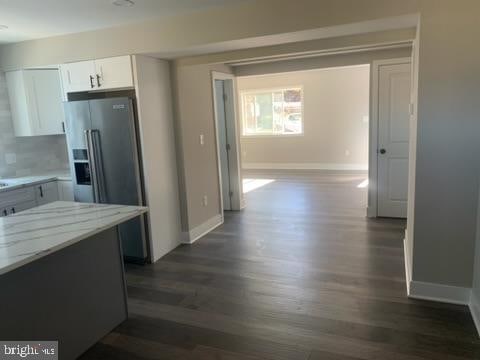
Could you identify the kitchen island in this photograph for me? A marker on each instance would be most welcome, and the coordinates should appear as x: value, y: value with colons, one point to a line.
x: 61, y: 274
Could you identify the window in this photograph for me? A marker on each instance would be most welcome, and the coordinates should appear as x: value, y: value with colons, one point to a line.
x: 272, y: 112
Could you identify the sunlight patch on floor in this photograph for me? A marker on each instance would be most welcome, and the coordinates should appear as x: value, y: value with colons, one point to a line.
x: 253, y: 184
x: 363, y: 184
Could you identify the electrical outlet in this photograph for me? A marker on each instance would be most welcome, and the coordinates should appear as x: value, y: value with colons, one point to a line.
x: 205, y: 200
x: 202, y: 140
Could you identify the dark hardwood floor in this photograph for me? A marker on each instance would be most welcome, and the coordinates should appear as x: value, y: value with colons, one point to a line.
x: 299, y: 274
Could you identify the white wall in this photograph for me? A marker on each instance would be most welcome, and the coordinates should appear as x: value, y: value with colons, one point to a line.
x: 475, y: 296
x: 194, y: 114
x: 155, y: 112
x: 336, y: 105
x: 216, y: 29
x: 448, y: 143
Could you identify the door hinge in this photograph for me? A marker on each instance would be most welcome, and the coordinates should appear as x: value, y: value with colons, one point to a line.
x: 228, y: 147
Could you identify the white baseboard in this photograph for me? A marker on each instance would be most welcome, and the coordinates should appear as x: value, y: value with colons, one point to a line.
x: 408, y: 275
x: 432, y: 291
x: 371, y: 212
x: 474, y: 306
x: 438, y: 292
x: 305, y: 166
x: 201, y: 230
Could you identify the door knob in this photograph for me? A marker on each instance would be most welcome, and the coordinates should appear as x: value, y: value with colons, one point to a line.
x: 383, y: 151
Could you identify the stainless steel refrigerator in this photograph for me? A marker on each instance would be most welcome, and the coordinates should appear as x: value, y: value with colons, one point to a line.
x: 105, y: 161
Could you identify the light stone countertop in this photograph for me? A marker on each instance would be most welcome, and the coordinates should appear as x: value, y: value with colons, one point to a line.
x: 34, y: 179
x: 37, y: 232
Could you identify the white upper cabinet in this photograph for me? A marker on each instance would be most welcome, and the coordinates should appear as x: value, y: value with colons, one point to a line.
x: 99, y: 74
x: 78, y: 76
x: 36, y: 102
x: 114, y: 73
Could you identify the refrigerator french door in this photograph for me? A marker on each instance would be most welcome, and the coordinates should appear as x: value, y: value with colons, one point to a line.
x: 104, y: 159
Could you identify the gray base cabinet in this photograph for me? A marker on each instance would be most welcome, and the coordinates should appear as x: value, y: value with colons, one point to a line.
x: 74, y: 296
x: 14, y: 201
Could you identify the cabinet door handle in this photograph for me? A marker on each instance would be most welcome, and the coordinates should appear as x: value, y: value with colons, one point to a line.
x: 41, y: 191
x: 92, y: 85
x: 63, y: 126
x: 98, y: 80
x: 13, y: 210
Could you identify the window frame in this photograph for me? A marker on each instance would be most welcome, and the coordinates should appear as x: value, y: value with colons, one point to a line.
x: 272, y: 90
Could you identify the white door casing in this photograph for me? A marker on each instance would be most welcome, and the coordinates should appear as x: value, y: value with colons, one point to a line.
x: 394, y: 87
x: 232, y: 135
x: 223, y: 143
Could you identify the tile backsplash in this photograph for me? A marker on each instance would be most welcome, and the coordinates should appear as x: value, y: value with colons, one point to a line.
x: 21, y: 156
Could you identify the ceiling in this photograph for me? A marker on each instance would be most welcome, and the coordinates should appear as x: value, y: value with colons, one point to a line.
x: 34, y: 19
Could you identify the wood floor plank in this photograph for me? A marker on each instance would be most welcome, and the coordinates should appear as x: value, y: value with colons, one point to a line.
x: 301, y: 273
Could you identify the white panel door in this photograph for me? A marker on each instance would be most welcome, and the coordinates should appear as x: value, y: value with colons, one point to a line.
x: 78, y: 76
x: 114, y: 73
x: 393, y: 136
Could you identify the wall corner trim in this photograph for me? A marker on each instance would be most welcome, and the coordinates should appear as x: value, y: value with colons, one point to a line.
x: 203, y: 229
x: 435, y: 292
x: 408, y: 275
x: 438, y: 292
x: 474, y: 306
x: 371, y: 212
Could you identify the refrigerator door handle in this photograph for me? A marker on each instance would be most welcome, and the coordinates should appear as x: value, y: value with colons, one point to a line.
x: 91, y: 162
x: 99, y: 179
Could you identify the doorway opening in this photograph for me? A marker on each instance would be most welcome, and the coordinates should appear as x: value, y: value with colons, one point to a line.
x: 224, y: 101
x: 305, y: 126
x: 351, y: 120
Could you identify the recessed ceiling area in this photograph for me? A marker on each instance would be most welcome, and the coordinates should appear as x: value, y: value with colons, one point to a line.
x: 35, y: 19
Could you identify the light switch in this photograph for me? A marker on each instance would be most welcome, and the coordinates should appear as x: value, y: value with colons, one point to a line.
x: 10, y: 158
x: 202, y: 142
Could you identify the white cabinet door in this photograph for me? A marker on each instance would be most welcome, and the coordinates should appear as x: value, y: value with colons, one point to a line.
x: 14, y: 201
x: 78, y: 76
x: 36, y: 102
x: 114, y: 73
x: 16, y: 208
x: 46, y: 193
x: 19, y: 103
x: 44, y: 96
x: 65, y: 190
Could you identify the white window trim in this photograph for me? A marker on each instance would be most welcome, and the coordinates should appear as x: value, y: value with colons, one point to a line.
x: 260, y: 90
